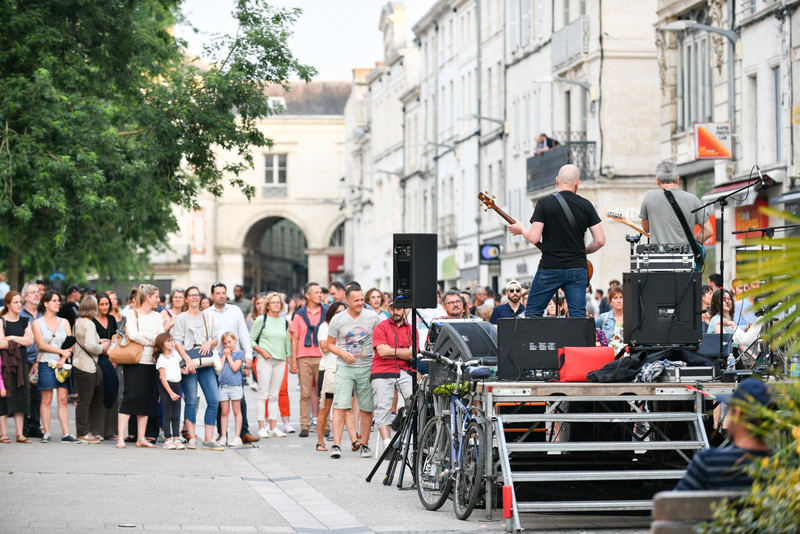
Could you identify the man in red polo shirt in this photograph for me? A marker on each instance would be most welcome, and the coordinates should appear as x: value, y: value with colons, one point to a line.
x: 391, y: 341
x: 305, y: 349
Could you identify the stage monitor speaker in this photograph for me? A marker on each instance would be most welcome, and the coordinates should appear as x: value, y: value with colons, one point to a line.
x: 467, y: 340
x: 661, y: 308
x: 415, y: 270
x: 529, y: 347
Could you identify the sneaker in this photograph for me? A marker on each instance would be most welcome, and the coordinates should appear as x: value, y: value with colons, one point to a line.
x: 212, y: 446
x: 263, y: 432
x: 366, y: 452
x: 336, y: 451
x: 222, y: 440
x: 303, y: 432
x: 253, y: 385
x: 289, y: 429
x: 191, y: 444
x: 169, y: 445
x: 179, y: 446
x: 277, y: 433
x: 69, y: 438
x: 46, y: 437
x: 88, y: 438
x: 236, y: 442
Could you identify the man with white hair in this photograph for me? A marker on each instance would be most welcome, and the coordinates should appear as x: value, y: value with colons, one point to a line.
x: 558, y: 226
x: 659, y: 218
x: 30, y: 309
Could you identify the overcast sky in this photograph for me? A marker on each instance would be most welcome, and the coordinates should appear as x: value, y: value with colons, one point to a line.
x: 335, y: 36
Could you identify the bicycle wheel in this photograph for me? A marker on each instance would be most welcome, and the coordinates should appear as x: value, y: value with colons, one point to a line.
x: 433, y: 466
x: 469, y: 477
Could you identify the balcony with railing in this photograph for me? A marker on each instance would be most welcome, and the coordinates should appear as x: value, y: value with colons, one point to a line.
x: 570, y: 42
x: 543, y: 168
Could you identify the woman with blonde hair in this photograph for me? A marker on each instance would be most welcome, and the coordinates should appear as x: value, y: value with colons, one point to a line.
x: 86, y: 373
x: 272, y: 342
x: 142, y: 324
x: 114, y: 309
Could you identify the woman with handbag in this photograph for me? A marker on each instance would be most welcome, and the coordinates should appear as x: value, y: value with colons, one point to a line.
x: 105, y: 323
x: 142, y: 324
x: 50, y: 331
x: 194, y: 336
x: 15, y: 332
x: 86, y: 373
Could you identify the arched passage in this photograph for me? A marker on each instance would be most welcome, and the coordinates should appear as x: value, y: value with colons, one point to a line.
x: 275, y: 256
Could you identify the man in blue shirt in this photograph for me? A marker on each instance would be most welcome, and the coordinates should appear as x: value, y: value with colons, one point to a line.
x: 726, y: 467
x: 513, y: 308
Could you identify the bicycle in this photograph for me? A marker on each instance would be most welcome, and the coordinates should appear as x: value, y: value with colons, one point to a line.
x: 452, y: 449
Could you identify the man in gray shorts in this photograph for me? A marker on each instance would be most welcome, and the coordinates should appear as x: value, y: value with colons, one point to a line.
x: 350, y: 338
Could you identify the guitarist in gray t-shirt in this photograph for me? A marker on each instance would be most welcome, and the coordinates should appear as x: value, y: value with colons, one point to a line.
x: 659, y: 217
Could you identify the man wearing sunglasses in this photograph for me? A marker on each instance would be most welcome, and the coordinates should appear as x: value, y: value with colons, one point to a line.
x: 513, y: 308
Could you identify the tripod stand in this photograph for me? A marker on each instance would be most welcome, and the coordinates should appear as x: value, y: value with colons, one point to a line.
x: 402, y: 447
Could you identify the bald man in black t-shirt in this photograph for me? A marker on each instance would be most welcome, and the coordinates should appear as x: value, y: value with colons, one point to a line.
x: 563, y: 263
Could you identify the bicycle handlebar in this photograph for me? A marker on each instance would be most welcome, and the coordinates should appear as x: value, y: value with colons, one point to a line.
x: 435, y: 356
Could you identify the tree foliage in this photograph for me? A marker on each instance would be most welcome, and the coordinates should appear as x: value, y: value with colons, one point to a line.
x: 106, y: 124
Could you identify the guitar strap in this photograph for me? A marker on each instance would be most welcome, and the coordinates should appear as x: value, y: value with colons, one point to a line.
x: 698, y: 256
x: 571, y: 218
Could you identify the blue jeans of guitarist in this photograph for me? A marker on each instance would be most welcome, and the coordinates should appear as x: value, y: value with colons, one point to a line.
x: 547, y: 281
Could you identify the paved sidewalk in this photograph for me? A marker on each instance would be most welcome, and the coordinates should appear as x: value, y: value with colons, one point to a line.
x: 278, y: 485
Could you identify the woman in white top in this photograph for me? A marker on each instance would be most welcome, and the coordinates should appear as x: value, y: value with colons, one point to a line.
x: 85, y: 369
x: 142, y: 324
x: 50, y: 331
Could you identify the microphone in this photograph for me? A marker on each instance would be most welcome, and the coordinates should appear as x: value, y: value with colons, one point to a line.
x: 761, y: 177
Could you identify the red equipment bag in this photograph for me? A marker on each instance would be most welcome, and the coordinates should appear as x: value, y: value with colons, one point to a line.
x: 575, y: 362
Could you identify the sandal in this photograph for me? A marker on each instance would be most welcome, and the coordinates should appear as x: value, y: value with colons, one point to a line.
x: 356, y: 445
x: 145, y: 445
x: 4, y: 439
x: 121, y: 444
x: 321, y: 447
x: 22, y: 439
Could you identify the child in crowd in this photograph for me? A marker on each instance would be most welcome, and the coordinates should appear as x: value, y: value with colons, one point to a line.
x: 169, y: 388
x: 230, y: 388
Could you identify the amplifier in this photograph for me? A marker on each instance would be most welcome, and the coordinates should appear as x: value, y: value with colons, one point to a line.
x: 664, y: 248
x: 662, y: 262
x: 687, y: 374
x: 528, y: 347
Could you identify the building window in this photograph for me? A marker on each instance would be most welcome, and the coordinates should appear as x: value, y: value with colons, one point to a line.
x: 695, y: 86
x: 275, y: 169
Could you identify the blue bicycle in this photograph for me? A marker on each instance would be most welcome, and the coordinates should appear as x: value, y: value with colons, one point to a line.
x: 452, y: 448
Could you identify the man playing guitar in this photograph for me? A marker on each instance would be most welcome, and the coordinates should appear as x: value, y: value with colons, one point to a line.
x: 557, y: 228
x: 660, y: 219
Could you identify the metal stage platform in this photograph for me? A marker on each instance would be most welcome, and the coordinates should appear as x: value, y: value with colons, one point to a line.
x: 592, y: 447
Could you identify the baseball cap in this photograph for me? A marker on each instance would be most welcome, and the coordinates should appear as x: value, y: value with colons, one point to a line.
x: 71, y: 288
x: 749, y: 390
x: 512, y: 283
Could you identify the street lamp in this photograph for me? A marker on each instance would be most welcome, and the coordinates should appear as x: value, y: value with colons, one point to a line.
x: 589, y: 88
x: 501, y: 122
x: 452, y: 148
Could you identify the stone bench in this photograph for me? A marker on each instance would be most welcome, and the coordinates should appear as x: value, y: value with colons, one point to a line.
x: 677, y: 512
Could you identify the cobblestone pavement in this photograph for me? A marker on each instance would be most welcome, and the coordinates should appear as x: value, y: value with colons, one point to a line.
x: 279, y: 485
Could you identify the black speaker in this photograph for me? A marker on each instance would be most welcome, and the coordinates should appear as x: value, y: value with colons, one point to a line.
x: 467, y: 340
x: 414, y: 258
x: 529, y: 347
x: 661, y: 308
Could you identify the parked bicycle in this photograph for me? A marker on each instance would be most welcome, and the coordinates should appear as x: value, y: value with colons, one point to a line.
x: 452, y: 447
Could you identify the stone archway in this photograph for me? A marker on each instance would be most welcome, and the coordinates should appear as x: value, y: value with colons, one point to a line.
x: 275, y: 256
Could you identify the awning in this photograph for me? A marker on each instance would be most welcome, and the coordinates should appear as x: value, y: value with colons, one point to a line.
x: 786, y: 198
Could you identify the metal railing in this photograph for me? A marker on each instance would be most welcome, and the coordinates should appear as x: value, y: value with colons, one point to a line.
x: 543, y: 168
x: 570, y: 41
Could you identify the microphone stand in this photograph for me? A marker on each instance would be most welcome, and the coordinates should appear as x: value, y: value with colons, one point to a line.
x: 722, y: 200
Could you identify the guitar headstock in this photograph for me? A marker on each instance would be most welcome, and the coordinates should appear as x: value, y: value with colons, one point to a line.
x: 616, y: 215
x: 487, y: 202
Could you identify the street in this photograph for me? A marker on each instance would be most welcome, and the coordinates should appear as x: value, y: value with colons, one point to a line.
x: 278, y: 485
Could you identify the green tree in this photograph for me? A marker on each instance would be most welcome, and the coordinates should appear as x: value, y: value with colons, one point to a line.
x: 106, y: 125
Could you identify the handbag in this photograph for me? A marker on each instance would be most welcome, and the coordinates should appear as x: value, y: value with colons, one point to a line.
x: 575, y: 362
x: 123, y: 350
x: 204, y: 360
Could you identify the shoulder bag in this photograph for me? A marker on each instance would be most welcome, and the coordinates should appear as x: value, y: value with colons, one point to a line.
x: 33, y: 374
x: 697, y: 249
x: 578, y: 236
x: 123, y: 350
x: 206, y: 360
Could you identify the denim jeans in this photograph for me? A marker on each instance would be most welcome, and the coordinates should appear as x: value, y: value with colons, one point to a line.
x: 547, y: 281
x: 208, y: 383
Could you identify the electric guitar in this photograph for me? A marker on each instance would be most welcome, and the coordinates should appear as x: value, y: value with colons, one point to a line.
x: 617, y: 216
x: 488, y: 203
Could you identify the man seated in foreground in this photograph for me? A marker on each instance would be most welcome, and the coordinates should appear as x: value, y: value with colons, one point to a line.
x: 725, y: 468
